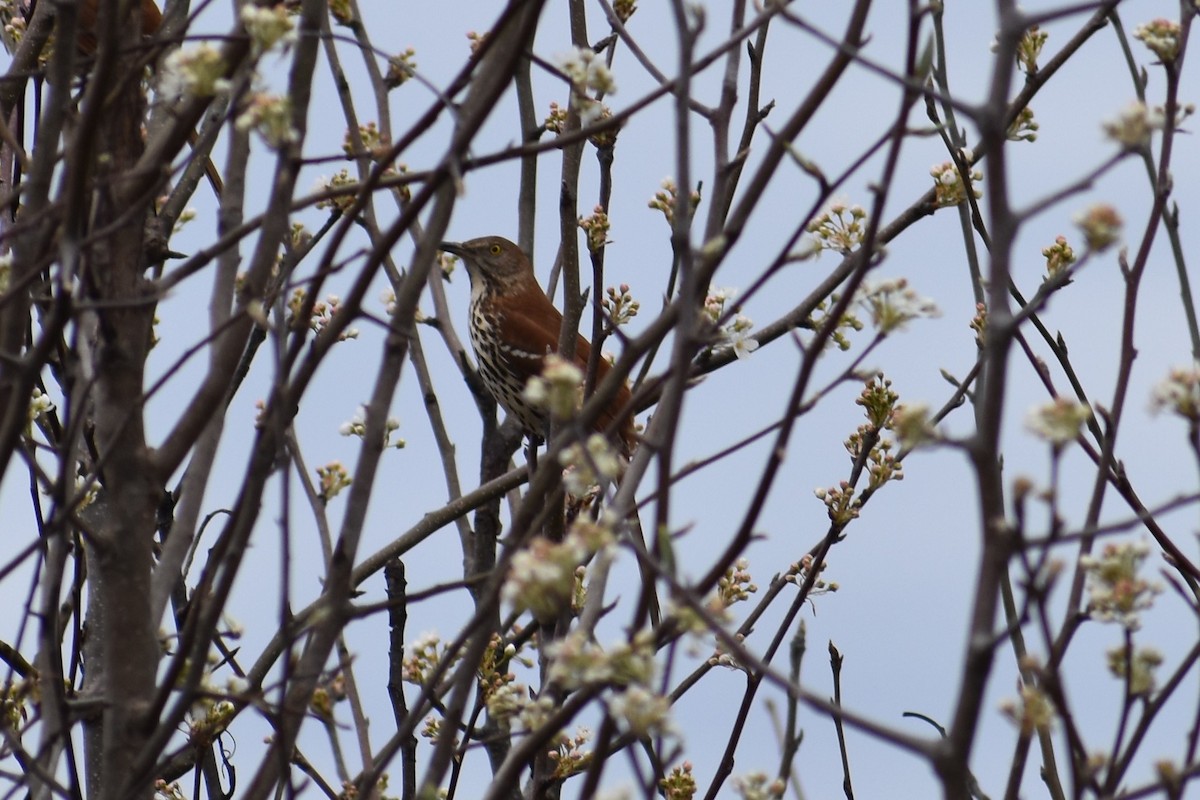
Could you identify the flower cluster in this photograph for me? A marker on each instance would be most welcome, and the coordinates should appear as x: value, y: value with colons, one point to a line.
x: 1132, y: 127
x: 840, y: 228
x: 641, y: 711
x: 879, y: 402
x: 208, y: 718
x: 799, y: 571
x: 696, y: 622
x: 568, y: 756
x: 14, y: 27
x: 721, y: 657
x: 664, y: 200
x: 506, y: 700
x: 388, y: 298
x: 320, y: 317
x: 1033, y: 712
x: 1116, y: 593
x: 1059, y: 421
x: 86, y: 491
x: 13, y: 698
x: 340, y: 202
x: 912, y: 425
x: 535, y: 713
x: 758, y: 786
x: 260, y: 413
x: 423, y: 658
x: 596, y: 226
x: 187, y: 215
x: 848, y: 322
x: 1101, y: 226
x: 579, y: 592
x: 295, y: 308
x: 714, y: 303
x: 878, y: 399
x: 882, y: 466
x: 736, y: 333
x: 577, y: 661
x: 586, y: 464
x: 1024, y: 127
x: 500, y: 690
x: 327, y: 694
x: 619, y: 306
x: 400, y: 68
x: 331, y: 479
x: 541, y: 577
x: 839, y: 502
x: 1167, y: 771
x: 1140, y: 665
x: 39, y: 406
x: 586, y: 71
x: 1030, y: 48
x: 432, y: 730
x: 948, y: 186
x: 270, y: 116
x: 892, y: 304
x: 979, y: 324
x: 604, y: 138
x: 736, y: 585
x: 477, y: 40
x: 1182, y: 112
x: 341, y: 11
x: 192, y: 72
x: 301, y: 236
x: 323, y: 314
x: 168, y: 791
x: 268, y: 26
x: 1059, y: 256
x: 1161, y: 36
x: 1179, y: 392
x: 625, y: 9
x: 558, y: 389
x: 737, y: 336
x: 375, y: 145
x: 357, y: 426
x: 679, y: 783
x: 556, y: 120
x: 495, y: 660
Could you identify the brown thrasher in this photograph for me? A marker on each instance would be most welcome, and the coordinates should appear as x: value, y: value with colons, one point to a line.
x: 514, y: 326
x: 152, y: 20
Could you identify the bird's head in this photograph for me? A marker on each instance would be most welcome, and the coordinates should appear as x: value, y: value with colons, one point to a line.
x: 493, y: 260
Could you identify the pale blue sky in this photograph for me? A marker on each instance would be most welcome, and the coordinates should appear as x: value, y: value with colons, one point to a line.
x: 907, y: 567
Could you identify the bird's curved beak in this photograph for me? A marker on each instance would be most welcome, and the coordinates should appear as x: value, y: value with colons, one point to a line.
x: 455, y: 248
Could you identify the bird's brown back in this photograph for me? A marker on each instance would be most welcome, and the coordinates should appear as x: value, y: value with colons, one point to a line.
x: 151, y: 22
x: 514, y: 326
x: 531, y: 332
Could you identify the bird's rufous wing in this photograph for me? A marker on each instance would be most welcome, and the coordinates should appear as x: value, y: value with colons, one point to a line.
x: 532, y: 336
x: 151, y: 22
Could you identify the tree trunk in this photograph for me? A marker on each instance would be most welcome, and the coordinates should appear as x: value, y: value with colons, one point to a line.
x: 122, y: 649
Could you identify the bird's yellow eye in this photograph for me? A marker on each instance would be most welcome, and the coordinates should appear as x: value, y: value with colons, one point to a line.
x: 495, y: 249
